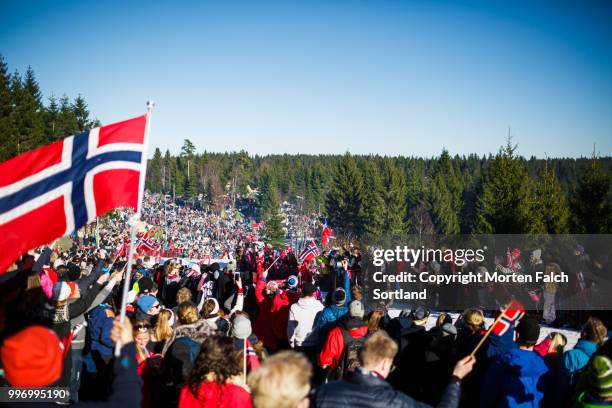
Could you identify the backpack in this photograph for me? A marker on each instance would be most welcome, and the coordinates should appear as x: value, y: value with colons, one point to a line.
x: 349, y: 361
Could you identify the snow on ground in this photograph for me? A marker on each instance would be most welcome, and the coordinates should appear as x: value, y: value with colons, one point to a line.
x: 571, y: 335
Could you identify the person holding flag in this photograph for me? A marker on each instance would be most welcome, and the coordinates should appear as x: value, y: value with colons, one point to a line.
x: 517, y: 378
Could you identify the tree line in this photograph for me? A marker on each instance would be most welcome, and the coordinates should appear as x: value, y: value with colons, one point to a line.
x: 27, y: 122
x: 371, y: 194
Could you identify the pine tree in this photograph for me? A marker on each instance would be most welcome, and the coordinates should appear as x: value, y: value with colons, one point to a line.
x: 550, y: 206
x: 32, y: 88
x: 372, y: 209
x: 8, y: 129
x: 444, y: 194
x: 51, y: 120
x: 505, y: 206
x: 273, y: 231
x: 345, y: 197
x: 154, y: 172
x: 188, y: 167
x: 269, y: 199
x: 592, y: 201
x: 440, y: 202
x: 26, y: 113
x: 394, y: 199
x: 67, y: 121
x: 79, y: 107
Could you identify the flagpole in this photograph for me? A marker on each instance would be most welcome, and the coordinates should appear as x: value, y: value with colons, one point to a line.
x: 134, y: 222
x: 272, y: 264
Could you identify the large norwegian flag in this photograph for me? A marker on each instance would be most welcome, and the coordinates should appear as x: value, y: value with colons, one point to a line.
x: 52, y: 191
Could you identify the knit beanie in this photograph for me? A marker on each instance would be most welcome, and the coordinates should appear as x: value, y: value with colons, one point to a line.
x: 241, y: 329
x: 145, y: 303
x: 63, y: 290
x: 600, y: 376
x: 356, y: 309
x: 339, y: 297
x: 528, y: 330
x: 32, y: 357
x: 420, y: 313
x: 292, y: 282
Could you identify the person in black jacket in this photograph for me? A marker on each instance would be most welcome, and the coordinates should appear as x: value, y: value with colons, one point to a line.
x: 368, y: 387
x: 411, y: 360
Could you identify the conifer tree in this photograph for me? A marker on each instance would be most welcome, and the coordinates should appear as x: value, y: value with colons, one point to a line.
x: 26, y: 113
x: 8, y: 130
x: 505, y: 206
x: 440, y: 202
x: 51, y: 120
x: 30, y: 85
x: 444, y: 194
x: 592, y: 201
x: 550, y: 206
x: 372, y: 209
x: 154, y: 172
x: 269, y: 200
x: 67, y: 120
x: 394, y: 199
x: 81, y: 113
x: 345, y: 197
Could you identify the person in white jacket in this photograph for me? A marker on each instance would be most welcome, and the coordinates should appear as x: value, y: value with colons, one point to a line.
x: 302, y: 329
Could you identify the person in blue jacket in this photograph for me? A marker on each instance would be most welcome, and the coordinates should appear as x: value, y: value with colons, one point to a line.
x: 518, y: 377
x: 101, y: 347
x: 593, y: 335
x: 340, y: 298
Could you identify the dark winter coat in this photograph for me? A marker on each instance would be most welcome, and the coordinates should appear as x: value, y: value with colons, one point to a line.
x: 364, y: 389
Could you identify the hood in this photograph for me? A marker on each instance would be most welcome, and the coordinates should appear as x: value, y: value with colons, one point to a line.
x: 309, y: 303
x: 355, y: 326
x: 588, y: 347
x: 196, y: 331
x: 523, y: 363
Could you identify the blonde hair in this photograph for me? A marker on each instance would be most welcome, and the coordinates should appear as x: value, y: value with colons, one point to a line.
x: 378, y: 347
x: 473, y: 319
x: 183, y: 295
x: 162, y: 330
x: 558, y: 343
x: 282, y: 381
x: 187, y: 313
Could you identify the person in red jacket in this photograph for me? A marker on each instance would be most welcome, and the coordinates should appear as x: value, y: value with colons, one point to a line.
x: 273, y: 305
x: 332, y: 350
x: 210, y: 381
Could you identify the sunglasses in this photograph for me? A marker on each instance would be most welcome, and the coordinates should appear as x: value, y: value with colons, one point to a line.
x: 142, y: 327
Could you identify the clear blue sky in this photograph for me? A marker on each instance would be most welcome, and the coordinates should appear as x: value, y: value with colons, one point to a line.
x: 389, y: 77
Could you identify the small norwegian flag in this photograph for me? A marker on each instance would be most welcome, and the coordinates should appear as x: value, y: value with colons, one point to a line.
x: 326, y: 234
x: 122, y: 250
x: 56, y: 189
x: 146, y: 243
x: 509, y: 317
x: 309, y: 252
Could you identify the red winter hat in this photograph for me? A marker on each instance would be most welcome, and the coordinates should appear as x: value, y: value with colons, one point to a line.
x: 32, y: 357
